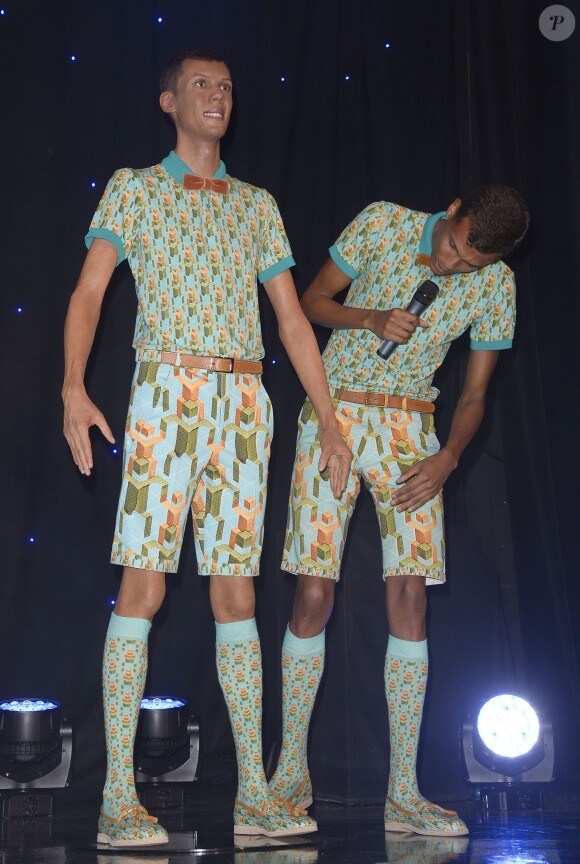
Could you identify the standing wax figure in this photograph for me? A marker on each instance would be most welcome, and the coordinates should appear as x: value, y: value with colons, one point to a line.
x: 199, y: 426
x: 385, y: 411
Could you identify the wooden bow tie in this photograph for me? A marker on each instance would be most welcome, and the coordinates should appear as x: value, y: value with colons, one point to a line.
x: 192, y: 181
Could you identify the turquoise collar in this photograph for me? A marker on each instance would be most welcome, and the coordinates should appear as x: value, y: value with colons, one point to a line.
x: 178, y: 169
x: 425, y: 243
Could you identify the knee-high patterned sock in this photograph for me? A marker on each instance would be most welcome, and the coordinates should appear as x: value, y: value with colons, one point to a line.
x: 302, y: 668
x: 239, y: 666
x: 124, y: 673
x: 406, y: 667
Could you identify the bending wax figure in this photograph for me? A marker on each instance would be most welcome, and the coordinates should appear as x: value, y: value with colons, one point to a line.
x: 385, y: 411
x: 199, y: 423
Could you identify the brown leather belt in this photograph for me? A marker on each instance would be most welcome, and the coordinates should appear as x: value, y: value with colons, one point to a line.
x: 212, y: 364
x: 384, y: 400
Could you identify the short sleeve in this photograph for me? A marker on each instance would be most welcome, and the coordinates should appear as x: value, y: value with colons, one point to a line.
x: 494, y: 328
x: 356, y: 243
x: 116, y: 214
x: 275, y: 253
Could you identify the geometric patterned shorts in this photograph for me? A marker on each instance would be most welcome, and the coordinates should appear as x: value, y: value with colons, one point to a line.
x: 385, y: 442
x: 200, y: 440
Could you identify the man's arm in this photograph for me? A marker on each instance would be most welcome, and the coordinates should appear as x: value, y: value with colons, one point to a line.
x: 300, y: 343
x: 426, y: 478
x: 79, y: 332
x: 320, y: 307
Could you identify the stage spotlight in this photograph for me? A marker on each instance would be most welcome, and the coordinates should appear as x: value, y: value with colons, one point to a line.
x: 36, y: 747
x: 166, y: 750
x: 509, y: 743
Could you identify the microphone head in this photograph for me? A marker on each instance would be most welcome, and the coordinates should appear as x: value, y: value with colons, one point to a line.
x: 427, y: 292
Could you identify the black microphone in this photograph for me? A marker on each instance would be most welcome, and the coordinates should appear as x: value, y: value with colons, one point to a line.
x: 421, y: 299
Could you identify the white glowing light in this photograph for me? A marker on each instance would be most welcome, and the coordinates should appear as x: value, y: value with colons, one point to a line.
x: 161, y: 704
x: 26, y: 705
x: 508, y: 725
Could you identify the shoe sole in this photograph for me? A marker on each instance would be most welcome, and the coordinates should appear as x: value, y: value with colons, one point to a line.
x: 406, y: 826
x: 282, y: 832
x: 106, y: 840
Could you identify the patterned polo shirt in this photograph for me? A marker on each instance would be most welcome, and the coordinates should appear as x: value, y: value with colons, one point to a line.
x: 195, y: 256
x: 385, y: 251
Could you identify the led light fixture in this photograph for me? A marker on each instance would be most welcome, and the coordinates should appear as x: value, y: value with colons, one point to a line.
x: 507, y: 741
x: 36, y: 748
x: 166, y: 750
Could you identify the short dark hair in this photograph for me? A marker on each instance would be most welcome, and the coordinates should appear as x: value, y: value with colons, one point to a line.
x: 499, y: 219
x: 172, y: 72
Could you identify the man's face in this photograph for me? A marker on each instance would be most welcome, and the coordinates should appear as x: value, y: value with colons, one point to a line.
x: 202, y: 103
x: 450, y: 251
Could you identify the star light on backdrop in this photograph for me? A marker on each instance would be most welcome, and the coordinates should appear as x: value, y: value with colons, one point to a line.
x: 509, y: 746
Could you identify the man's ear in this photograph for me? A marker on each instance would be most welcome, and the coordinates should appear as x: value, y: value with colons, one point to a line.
x: 166, y: 100
x: 453, y: 208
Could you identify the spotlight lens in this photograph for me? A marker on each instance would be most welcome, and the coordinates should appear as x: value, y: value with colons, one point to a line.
x: 159, y: 703
x: 23, y: 705
x: 508, y: 726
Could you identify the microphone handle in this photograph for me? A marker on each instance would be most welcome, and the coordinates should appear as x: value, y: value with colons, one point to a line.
x: 385, y: 350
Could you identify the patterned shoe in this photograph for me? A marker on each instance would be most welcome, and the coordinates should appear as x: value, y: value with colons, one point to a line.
x: 132, y: 827
x: 300, y: 796
x: 425, y: 818
x: 276, y: 818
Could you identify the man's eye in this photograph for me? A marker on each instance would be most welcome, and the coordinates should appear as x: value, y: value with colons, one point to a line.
x: 200, y: 83
x: 226, y: 87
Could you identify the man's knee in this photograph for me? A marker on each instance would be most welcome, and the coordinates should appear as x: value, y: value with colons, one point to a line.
x: 232, y: 598
x: 314, y: 594
x: 407, y: 596
x: 313, y: 604
x: 141, y: 594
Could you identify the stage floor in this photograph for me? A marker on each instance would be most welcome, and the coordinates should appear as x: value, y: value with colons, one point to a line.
x: 347, y: 835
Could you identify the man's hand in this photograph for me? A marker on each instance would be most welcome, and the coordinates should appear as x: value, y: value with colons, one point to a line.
x: 79, y: 415
x: 423, y: 481
x: 397, y: 325
x: 335, y: 459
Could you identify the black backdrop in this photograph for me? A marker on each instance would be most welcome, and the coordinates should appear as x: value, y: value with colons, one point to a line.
x: 466, y: 93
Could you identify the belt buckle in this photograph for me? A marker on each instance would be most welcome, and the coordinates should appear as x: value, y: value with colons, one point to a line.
x: 374, y: 399
x: 213, y: 364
